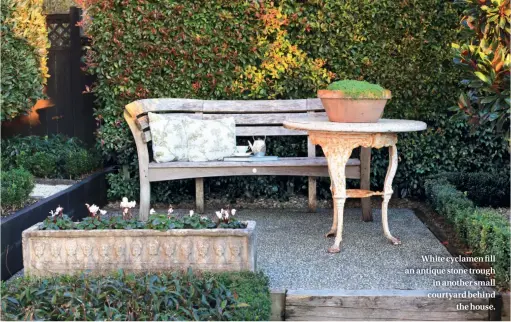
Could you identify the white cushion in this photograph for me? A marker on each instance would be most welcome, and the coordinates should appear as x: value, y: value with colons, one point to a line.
x: 210, y: 140
x: 168, y: 137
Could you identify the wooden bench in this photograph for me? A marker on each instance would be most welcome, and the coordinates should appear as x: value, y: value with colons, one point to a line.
x: 253, y: 118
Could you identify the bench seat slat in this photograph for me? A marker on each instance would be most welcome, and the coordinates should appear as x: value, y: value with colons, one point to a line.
x: 258, y: 118
x: 315, y: 167
x: 253, y: 106
x: 223, y: 106
x: 164, y: 105
x: 240, y: 119
x: 314, y: 104
x: 281, y: 162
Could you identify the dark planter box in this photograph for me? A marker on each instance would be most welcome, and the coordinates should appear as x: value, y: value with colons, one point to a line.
x: 92, y: 190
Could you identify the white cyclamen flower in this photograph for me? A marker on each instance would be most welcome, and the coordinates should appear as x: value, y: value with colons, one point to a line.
x: 93, y: 209
x: 127, y: 204
x: 219, y: 214
x: 124, y: 203
x: 59, y: 209
x: 152, y: 212
x: 102, y: 212
x: 171, y: 210
x: 203, y: 217
x: 233, y: 212
x: 191, y: 213
x: 52, y: 213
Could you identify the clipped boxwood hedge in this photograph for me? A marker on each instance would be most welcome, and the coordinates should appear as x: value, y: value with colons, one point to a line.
x: 483, y: 188
x: 484, y: 230
x: 17, y: 184
x: 180, y: 296
x: 55, y: 156
x: 282, y: 50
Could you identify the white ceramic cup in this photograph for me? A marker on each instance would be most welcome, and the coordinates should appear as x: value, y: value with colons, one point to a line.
x: 241, y: 149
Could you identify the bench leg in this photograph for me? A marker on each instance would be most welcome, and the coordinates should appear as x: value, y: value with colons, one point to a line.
x: 145, y: 198
x: 365, y: 182
x: 199, y: 195
x: 312, y: 194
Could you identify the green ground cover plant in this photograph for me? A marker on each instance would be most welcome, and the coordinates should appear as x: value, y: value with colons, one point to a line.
x: 17, y: 184
x: 283, y: 50
x: 484, y: 230
x: 56, y: 156
x: 353, y: 88
x: 173, y: 296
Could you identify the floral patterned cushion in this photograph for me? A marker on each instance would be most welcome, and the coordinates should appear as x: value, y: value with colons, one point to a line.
x: 168, y: 137
x: 210, y: 140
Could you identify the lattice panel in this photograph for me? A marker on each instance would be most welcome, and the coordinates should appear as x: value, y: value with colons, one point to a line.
x: 59, y: 34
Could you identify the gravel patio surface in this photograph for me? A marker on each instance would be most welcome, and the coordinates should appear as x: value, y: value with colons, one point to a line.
x: 291, y: 250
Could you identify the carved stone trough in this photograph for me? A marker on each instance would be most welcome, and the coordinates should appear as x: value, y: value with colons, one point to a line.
x: 46, y: 252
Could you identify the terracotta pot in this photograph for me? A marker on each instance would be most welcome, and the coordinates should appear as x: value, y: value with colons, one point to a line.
x: 342, y: 109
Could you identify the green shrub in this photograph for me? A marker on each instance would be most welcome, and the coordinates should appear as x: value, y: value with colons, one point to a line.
x: 56, y: 156
x: 40, y: 164
x: 21, y: 81
x: 24, y: 54
x: 78, y: 162
x: 484, y: 230
x: 483, y: 188
x: 251, y: 288
x: 483, y: 55
x: 286, y: 49
x: 17, y: 184
x: 129, y: 297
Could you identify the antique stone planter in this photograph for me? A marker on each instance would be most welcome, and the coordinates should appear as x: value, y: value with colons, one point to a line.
x: 46, y: 252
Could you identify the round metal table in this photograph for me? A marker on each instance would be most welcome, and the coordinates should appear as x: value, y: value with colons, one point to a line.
x: 338, y: 141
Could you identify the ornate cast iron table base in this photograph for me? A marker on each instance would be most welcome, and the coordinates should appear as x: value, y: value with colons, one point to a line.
x: 337, y: 147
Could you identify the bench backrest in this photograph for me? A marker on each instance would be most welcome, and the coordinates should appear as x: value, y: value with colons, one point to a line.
x: 253, y: 117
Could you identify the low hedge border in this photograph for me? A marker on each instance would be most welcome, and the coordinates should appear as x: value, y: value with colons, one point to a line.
x: 483, y: 188
x: 17, y: 184
x: 484, y: 230
x: 153, y: 297
x: 54, y: 156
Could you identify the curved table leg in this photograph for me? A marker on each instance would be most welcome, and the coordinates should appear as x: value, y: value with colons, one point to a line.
x: 337, y: 159
x: 333, y: 229
x: 387, y: 193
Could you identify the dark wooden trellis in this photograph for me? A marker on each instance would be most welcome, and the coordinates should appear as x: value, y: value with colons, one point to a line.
x: 70, y: 111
